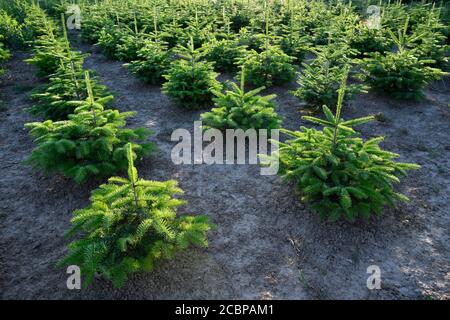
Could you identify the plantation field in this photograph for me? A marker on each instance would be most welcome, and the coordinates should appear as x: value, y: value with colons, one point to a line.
x: 268, y: 244
x: 250, y: 236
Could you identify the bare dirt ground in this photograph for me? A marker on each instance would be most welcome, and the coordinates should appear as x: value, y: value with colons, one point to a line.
x: 267, y: 244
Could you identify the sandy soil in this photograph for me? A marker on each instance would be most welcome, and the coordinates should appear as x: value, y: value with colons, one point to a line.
x: 267, y: 244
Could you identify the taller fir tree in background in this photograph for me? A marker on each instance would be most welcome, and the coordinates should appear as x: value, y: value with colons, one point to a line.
x: 270, y: 66
x: 91, y: 143
x: 403, y: 73
x: 190, y: 81
x: 54, y: 99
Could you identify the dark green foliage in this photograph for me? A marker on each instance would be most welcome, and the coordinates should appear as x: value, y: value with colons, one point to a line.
x: 47, y: 55
x: 444, y: 15
x: 4, y: 52
x: 198, y: 31
x: 401, y: 74
x: 237, y: 109
x: 366, y: 40
x: 293, y: 39
x: 15, y: 8
x: 336, y: 53
x: 130, y: 225
x: 93, y: 24
x: 296, y: 46
x: 191, y: 82
x: 224, y: 53
x: 10, y: 30
x: 129, y: 46
x: 252, y: 40
x: 172, y: 32
x: 36, y: 24
x: 130, y: 43
x: 429, y: 42
x: 54, y: 101
x: 432, y: 47
x: 273, y: 32
x: 152, y: 63
x: 90, y: 144
x: 4, y: 55
x: 51, y: 52
x: 394, y: 15
x: 109, y: 40
x: 49, y: 49
x: 292, y: 23
x: 325, y: 22
x: 269, y: 67
x: 319, y: 81
x: 240, y: 18
x: 339, y: 173
x: 119, y: 41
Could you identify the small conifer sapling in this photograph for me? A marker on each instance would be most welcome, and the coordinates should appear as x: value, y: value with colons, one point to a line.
x: 339, y: 173
x: 91, y: 143
x: 130, y: 225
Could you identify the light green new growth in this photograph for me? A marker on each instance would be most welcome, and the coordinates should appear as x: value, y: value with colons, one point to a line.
x: 130, y: 225
x: 339, y: 173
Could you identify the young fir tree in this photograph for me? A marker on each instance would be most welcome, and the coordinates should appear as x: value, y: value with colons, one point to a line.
x: 152, y: 63
x: 53, y: 100
x: 36, y: 23
x: 269, y: 67
x: 49, y: 49
x: 191, y: 82
x: 11, y: 30
x: 172, y: 32
x: 293, y: 40
x: 153, y: 59
x: 251, y: 39
x: 130, y: 43
x: 224, y: 54
x: 366, y: 39
x: 110, y: 38
x: 339, y: 173
x: 129, y: 226
x: 222, y: 25
x: 197, y: 31
x: 320, y: 80
x: 91, y: 143
x: 402, y: 73
x: 4, y: 54
x: 430, y: 43
x: 224, y: 49
x: 337, y: 52
x: 320, y: 21
x: 237, y: 109
x: 93, y: 23
x: 240, y: 16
